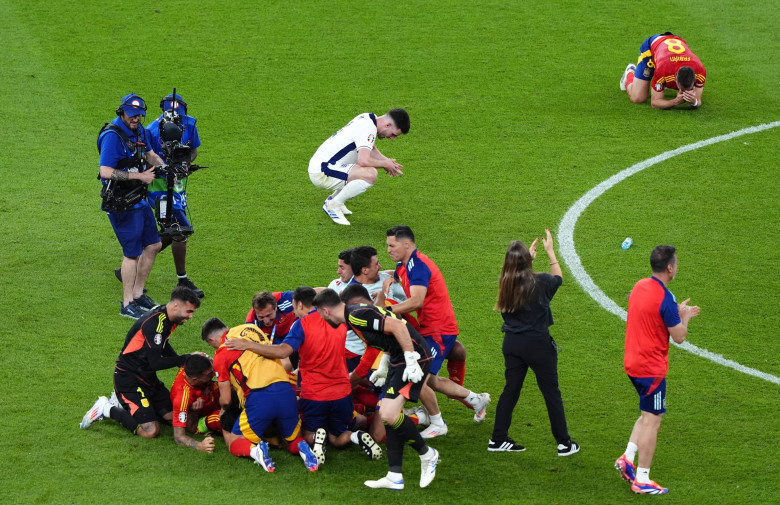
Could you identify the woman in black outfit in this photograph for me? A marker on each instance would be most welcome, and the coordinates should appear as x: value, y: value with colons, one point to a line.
x: 524, y: 302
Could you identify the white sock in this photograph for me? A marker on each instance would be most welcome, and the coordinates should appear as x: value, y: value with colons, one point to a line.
x: 471, y: 398
x: 631, y: 449
x: 643, y: 475
x: 107, y: 410
x: 351, y: 190
x: 354, y: 437
x: 437, y: 419
x: 183, y: 276
x: 394, y: 476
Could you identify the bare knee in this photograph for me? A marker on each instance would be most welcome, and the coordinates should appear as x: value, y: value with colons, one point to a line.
x: 458, y: 352
x: 148, y: 430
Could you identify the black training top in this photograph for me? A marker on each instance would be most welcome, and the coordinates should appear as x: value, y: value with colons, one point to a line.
x: 535, y: 315
x: 368, y: 322
x: 146, y: 348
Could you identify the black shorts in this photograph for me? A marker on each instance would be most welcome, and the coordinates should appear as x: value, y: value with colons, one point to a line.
x: 395, y: 385
x: 145, y: 402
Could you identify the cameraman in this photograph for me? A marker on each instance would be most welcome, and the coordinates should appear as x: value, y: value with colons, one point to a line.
x: 126, y: 168
x: 158, y: 188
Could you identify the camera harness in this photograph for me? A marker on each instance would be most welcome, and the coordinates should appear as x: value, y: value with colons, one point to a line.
x: 122, y: 195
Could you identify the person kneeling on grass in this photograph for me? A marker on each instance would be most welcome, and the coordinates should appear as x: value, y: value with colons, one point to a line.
x: 265, y: 393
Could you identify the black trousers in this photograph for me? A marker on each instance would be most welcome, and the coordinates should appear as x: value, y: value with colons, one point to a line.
x: 539, y: 353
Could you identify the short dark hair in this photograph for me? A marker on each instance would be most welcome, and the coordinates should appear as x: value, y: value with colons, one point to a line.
x: 661, y: 257
x: 185, y: 294
x: 686, y: 77
x: 401, y: 119
x: 326, y: 298
x: 305, y: 295
x: 361, y: 258
x: 196, y: 364
x: 263, y: 299
x: 401, y: 232
x: 210, y: 326
x: 355, y: 291
x: 346, y: 255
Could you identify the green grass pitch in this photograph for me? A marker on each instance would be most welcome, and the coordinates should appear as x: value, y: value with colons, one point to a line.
x: 515, y: 113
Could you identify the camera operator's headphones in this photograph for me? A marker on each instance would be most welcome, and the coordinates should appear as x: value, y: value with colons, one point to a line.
x: 174, y: 99
x: 127, y: 100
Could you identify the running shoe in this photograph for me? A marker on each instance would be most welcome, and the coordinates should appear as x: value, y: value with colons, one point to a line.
x: 626, y: 468
x: 385, y: 483
x: 507, y: 445
x: 435, y: 430
x: 480, y: 407
x: 629, y: 68
x: 334, y: 213
x: 569, y: 448
x: 95, y: 413
x: 648, y: 488
x: 308, y: 457
x: 428, y: 464
x: 259, y: 453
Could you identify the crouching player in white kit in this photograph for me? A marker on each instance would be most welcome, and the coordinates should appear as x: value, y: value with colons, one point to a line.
x: 347, y: 162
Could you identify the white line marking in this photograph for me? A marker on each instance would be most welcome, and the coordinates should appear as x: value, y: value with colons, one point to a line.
x: 569, y: 221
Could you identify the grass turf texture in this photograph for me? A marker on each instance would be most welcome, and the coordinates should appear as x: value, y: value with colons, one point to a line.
x: 515, y: 114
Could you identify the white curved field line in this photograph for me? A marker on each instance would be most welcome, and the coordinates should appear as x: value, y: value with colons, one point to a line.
x: 569, y: 221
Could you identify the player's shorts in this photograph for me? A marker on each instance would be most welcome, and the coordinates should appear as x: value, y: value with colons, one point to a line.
x: 145, y: 402
x: 135, y: 229
x: 440, y: 347
x: 336, y: 416
x: 652, y: 393
x: 275, y: 403
x: 328, y: 176
x: 645, y: 66
x: 395, y: 385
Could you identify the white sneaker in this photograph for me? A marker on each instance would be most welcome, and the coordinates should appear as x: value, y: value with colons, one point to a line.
x: 428, y: 467
x: 423, y: 419
x: 629, y: 68
x: 434, y: 430
x: 480, y: 407
x: 114, y: 401
x: 343, y: 208
x: 259, y: 453
x: 95, y: 413
x: 385, y: 483
x: 319, y: 445
x: 334, y: 213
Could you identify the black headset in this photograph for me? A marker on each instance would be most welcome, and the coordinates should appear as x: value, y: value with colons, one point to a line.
x: 172, y: 98
x: 127, y: 100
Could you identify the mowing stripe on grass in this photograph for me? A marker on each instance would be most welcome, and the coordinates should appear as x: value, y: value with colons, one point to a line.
x: 569, y: 221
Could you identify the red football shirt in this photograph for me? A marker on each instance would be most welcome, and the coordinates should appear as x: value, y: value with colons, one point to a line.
x: 183, y: 395
x: 436, y: 317
x: 322, y: 368
x: 669, y: 54
x: 652, y: 310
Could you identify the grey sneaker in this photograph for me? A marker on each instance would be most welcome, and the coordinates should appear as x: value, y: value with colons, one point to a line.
x: 145, y: 303
x: 132, y: 310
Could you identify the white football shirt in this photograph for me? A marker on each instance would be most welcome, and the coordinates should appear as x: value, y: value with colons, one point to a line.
x: 342, y: 147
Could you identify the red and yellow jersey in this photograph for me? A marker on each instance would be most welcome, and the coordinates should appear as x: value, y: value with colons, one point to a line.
x: 246, y: 370
x: 183, y: 395
x: 669, y: 54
